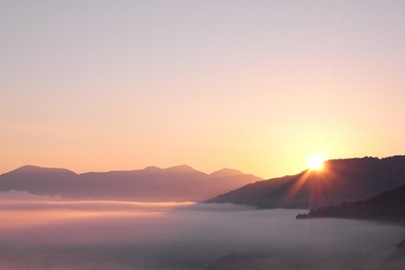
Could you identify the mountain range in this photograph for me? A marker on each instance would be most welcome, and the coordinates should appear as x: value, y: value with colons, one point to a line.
x: 179, y: 183
x: 340, y: 180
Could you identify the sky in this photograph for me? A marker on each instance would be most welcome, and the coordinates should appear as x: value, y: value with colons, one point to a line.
x: 251, y: 85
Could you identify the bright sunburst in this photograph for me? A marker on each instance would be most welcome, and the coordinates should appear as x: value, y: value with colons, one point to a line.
x: 315, y: 161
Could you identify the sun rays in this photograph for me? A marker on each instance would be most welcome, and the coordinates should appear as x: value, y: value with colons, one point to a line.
x: 316, y: 162
x: 313, y: 181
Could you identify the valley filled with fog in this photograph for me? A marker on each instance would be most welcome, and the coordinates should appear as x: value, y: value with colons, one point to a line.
x: 55, y: 234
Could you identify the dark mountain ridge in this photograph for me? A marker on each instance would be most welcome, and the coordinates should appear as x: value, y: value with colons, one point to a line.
x: 387, y: 206
x: 340, y: 180
x: 179, y: 183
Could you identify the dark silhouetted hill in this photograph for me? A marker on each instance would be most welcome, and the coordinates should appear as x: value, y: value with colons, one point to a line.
x: 387, y: 206
x: 341, y: 180
x: 179, y: 183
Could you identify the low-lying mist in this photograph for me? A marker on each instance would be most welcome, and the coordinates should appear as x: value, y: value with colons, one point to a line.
x: 62, y: 235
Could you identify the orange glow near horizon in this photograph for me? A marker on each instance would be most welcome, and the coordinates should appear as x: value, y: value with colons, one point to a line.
x: 135, y: 98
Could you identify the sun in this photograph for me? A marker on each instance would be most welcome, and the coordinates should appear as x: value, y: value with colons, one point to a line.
x: 315, y: 161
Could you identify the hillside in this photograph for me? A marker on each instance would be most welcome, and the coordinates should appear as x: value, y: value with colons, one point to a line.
x: 341, y: 180
x: 387, y: 206
x: 179, y: 183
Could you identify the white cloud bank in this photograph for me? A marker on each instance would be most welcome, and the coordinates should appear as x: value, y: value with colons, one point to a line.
x: 125, y: 235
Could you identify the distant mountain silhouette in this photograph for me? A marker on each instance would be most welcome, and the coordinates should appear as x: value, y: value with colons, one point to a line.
x: 179, y: 183
x: 226, y: 172
x: 387, y: 206
x: 341, y: 180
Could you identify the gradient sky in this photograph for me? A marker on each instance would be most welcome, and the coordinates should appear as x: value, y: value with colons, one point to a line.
x: 252, y: 85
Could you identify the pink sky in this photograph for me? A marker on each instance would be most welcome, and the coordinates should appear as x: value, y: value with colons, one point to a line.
x: 251, y: 85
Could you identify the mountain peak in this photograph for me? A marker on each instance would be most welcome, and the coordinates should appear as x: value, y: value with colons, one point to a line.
x: 28, y: 168
x: 226, y: 172
x: 37, y: 169
x: 181, y: 168
x: 152, y: 168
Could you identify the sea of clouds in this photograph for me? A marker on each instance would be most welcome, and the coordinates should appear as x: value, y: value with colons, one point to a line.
x: 59, y: 235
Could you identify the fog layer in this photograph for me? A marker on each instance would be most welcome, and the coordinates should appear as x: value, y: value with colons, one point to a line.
x: 127, y: 235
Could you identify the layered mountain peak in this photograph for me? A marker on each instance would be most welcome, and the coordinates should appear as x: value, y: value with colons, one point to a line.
x: 152, y: 169
x: 181, y: 168
x: 226, y: 172
x: 31, y: 169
